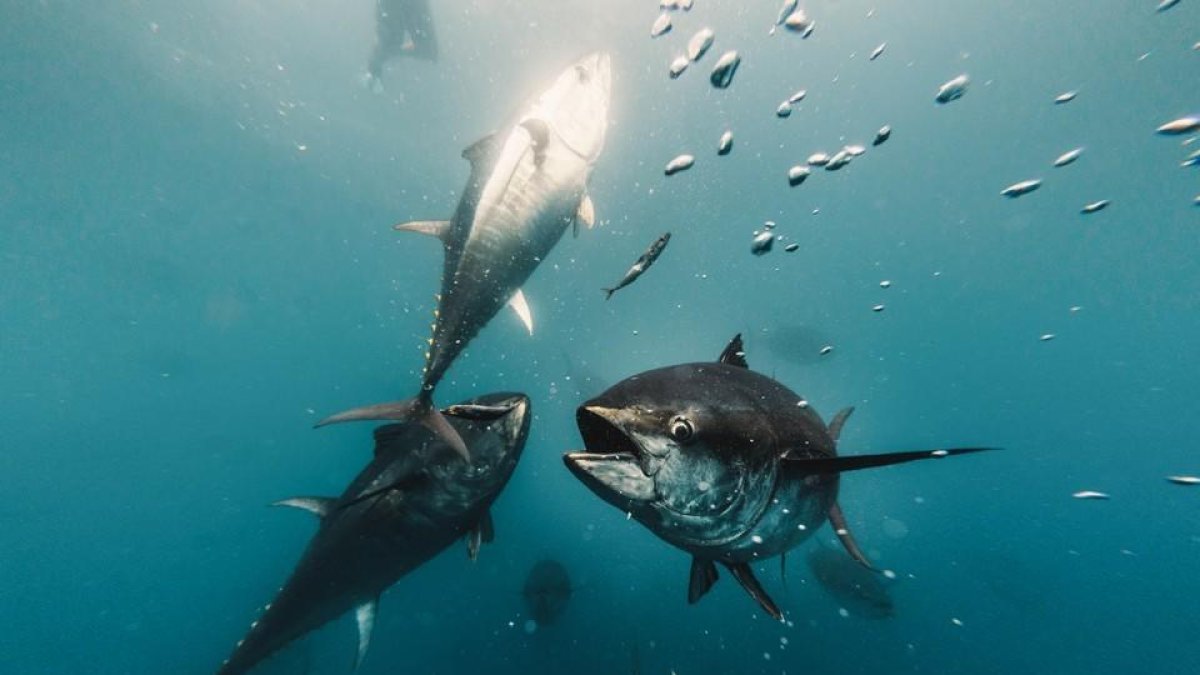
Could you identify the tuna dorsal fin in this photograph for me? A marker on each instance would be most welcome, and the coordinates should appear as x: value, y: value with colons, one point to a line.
x: 521, y: 307
x: 433, y: 228
x: 734, y: 354
x: 318, y: 506
x: 745, y: 576
x: 842, y: 529
x: 539, y: 133
x: 480, y: 149
x: 839, y: 421
x: 807, y: 466
x: 702, y: 578
x: 364, y: 616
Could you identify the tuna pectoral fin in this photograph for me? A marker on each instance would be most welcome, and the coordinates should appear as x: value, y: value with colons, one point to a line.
x: 318, y: 506
x: 838, y: 520
x: 521, y: 307
x: 745, y: 576
x: 433, y: 228
x: 418, y: 409
x: 586, y: 213
x: 479, y: 535
x: 704, y: 575
x: 839, y: 421
x: 539, y: 133
x: 818, y: 465
x: 364, y: 615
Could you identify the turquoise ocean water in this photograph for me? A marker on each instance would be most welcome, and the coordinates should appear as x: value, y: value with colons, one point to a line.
x: 197, y: 262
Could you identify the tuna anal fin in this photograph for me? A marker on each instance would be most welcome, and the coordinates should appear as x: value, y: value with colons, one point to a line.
x: 745, y: 576
x: 318, y: 506
x: 521, y: 307
x: 839, y: 421
x: 433, y: 228
x: 842, y: 529
x: 702, y: 578
x: 418, y: 409
x: 818, y: 465
x: 364, y: 615
x: 734, y: 354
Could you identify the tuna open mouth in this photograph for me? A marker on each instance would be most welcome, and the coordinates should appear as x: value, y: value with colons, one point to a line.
x: 611, y: 467
x: 601, y: 435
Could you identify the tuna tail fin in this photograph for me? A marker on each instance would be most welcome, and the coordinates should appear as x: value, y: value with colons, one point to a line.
x: 419, y: 409
x: 821, y: 465
x: 608, y: 292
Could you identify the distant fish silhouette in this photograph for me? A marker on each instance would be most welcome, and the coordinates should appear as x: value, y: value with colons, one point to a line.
x: 857, y: 589
x: 402, y: 28
x: 547, y: 591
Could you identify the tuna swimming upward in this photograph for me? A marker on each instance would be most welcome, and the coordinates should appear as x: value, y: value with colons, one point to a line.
x: 528, y: 183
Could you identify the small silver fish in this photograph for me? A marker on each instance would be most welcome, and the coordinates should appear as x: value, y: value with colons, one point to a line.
x: 1047, y: 337
x: 1090, y: 494
x: 1095, y: 206
x: 727, y: 65
x: 792, y: 248
x: 661, y: 25
x: 680, y: 163
x: 1183, y: 125
x: 1068, y: 157
x: 855, y: 150
x: 679, y: 65
x: 877, y: 51
x: 699, y: 44
x: 1191, y: 160
x: 1023, y: 188
x: 1166, y: 4
x: 762, y: 242
x: 725, y: 145
x: 784, y: 110
x: 797, y: 175
x: 826, y: 349
x: 881, y: 136
x: 953, y: 89
x: 1065, y: 97
x: 643, y: 263
x: 818, y: 159
x: 798, y: 96
x: 1184, y: 480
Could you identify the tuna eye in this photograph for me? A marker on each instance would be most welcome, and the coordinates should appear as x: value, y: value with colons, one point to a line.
x: 681, y: 429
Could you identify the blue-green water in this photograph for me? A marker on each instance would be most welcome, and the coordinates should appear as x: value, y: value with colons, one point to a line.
x: 196, y: 262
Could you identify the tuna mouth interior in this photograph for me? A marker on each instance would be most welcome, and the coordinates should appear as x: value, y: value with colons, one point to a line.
x: 603, y: 437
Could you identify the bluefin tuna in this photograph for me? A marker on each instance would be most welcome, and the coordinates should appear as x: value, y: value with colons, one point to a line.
x: 528, y: 184
x: 724, y: 463
x: 414, y: 499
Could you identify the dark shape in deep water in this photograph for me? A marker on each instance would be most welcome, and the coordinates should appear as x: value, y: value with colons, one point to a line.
x: 527, y: 184
x: 722, y: 462
x: 795, y: 343
x: 402, y: 28
x: 642, y: 264
x: 414, y: 499
x: 857, y: 589
x: 547, y: 591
